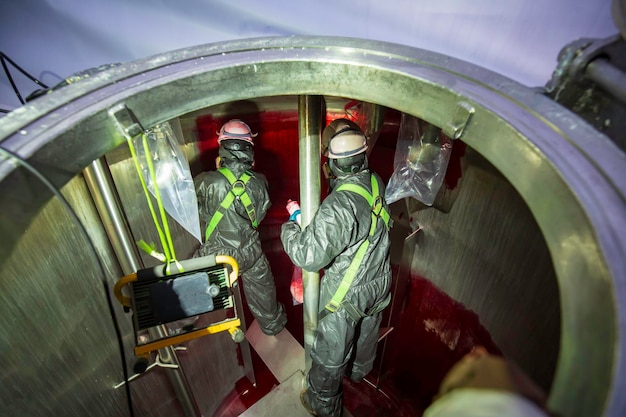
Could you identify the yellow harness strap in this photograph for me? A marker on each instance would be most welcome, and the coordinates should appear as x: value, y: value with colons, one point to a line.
x: 238, y: 191
x: 378, y: 211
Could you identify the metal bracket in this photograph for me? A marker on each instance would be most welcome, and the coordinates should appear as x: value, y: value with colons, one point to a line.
x: 157, y: 362
x: 574, y: 58
x: 593, y: 49
x: 462, y: 114
x: 126, y: 121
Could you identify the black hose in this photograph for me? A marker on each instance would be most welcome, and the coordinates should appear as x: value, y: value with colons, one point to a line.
x: 4, y: 57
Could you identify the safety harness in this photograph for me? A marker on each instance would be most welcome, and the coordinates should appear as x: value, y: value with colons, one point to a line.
x: 378, y: 212
x: 237, y: 191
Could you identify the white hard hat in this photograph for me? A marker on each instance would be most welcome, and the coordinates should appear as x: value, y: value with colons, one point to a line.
x: 235, y: 129
x: 344, y: 139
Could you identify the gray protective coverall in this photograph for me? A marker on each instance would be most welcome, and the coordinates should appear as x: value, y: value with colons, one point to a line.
x: 330, y: 241
x: 235, y: 236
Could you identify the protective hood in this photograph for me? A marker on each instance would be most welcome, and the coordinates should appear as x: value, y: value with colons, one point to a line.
x: 341, y: 176
x: 237, y: 160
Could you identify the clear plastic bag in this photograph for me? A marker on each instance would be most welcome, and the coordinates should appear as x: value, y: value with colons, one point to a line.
x: 297, y: 287
x: 173, y: 176
x: 420, y: 162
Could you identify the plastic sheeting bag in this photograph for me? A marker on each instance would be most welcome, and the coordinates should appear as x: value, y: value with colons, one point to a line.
x: 296, y: 288
x: 420, y: 162
x: 173, y: 176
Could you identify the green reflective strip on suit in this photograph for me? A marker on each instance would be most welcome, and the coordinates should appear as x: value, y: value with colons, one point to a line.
x: 352, y: 270
x: 228, y: 200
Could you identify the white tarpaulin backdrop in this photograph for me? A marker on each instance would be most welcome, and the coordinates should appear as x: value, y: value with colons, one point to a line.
x: 52, y: 39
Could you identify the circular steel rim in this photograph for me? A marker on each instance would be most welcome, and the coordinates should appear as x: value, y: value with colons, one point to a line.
x: 557, y: 155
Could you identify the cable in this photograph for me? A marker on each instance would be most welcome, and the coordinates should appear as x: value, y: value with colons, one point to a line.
x: 92, y: 247
x: 4, y: 57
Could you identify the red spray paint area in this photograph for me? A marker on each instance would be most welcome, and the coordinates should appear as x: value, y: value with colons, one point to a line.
x: 431, y: 331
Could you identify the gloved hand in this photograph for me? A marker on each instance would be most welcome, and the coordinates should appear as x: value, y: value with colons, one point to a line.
x: 293, y: 207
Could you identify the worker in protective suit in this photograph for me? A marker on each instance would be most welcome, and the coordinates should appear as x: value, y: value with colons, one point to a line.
x: 349, y: 238
x: 232, y: 201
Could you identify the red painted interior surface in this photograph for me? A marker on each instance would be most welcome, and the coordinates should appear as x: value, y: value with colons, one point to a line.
x: 431, y: 332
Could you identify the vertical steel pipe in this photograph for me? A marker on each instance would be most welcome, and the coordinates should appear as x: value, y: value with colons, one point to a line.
x: 102, y: 189
x: 309, y: 132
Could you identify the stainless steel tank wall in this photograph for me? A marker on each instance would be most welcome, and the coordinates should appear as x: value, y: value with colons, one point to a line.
x: 570, y: 177
x: 485, y: 249
x: 59, y: 349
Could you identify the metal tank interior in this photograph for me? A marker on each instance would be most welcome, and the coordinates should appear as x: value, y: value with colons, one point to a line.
x: 522, y: 251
